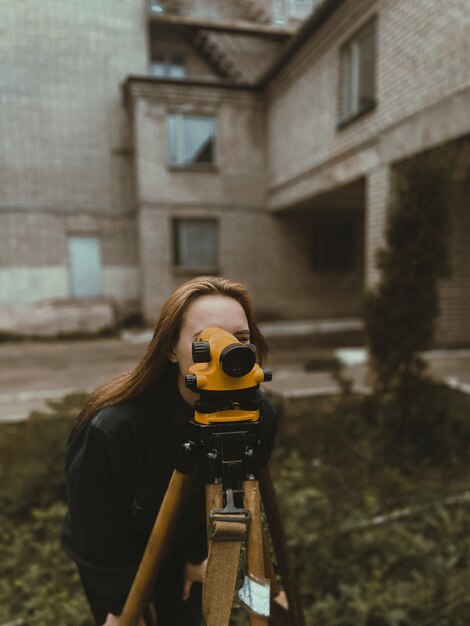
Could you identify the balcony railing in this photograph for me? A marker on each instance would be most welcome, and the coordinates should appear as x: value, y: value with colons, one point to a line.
x: 281, y: 12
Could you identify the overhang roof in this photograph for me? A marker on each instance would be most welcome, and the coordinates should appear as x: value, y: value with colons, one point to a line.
x: 314, y: 22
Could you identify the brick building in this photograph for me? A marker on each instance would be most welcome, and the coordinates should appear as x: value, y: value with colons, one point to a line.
x: 147, y: 142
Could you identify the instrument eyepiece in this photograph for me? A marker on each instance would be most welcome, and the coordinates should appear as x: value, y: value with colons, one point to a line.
x: 237, y: 359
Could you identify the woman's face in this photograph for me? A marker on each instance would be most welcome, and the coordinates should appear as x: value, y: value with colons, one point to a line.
x: 205, y: 311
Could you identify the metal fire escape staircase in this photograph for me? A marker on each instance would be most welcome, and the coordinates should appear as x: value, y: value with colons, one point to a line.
x: 210, y: 45
x: 206, y: 45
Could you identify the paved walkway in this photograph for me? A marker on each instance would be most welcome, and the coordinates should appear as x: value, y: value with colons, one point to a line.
x: 32, y: 372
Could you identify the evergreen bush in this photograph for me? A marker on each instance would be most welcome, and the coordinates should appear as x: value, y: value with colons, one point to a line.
x: 400, y: 312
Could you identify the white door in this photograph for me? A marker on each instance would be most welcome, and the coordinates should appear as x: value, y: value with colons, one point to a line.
x: 84, y: 266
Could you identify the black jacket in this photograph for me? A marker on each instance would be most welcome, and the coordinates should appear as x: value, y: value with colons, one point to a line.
x: 118, y: 468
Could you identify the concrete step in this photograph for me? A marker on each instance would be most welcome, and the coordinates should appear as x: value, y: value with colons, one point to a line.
x: 297, y: 334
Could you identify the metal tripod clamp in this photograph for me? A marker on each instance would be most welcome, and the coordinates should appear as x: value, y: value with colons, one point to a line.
x: 229, y: 523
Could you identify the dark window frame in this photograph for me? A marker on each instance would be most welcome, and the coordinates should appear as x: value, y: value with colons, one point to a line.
x: 197, y: 269
x: 168, y: 60
x: 354, y: 101
x: 179, y: 126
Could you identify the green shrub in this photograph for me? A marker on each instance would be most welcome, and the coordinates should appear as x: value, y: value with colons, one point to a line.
x: 374, y: 538
x: 33, y: 455
x: 422, y: 421
x: 38, y: 582
x: 401, y: 311
x: 355, y: 568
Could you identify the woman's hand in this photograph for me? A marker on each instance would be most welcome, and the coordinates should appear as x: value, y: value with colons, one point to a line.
x: 113, y: 620
x: 281, y: 599
x: 192, y: 574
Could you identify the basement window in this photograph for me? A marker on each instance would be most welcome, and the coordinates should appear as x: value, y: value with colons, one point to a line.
x: 191, y: 140
x: 195, y: 245
x: 358, y: 69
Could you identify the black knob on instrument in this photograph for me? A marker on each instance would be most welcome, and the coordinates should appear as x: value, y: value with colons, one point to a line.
x: 201, y: 352
x: 190, y: 381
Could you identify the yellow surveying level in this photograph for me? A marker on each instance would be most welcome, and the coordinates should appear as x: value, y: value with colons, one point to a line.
x: 226, y: 376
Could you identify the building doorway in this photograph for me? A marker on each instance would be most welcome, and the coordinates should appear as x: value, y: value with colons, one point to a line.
x: 84, y: 256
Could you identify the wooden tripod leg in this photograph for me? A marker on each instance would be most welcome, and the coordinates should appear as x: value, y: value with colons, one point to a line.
x: 214, y: 499
x: 269, y: 569
x: 279, y: 613
x: 254, y: 543
x: 159, y: 539
x: 280, y: 546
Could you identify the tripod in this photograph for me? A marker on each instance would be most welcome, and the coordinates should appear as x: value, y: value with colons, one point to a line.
x: 227, y: 440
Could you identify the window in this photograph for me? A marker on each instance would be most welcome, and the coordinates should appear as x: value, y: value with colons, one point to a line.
x: 358, y: 58
x: 171, y: 65
x: 195, y: 244
x: 84, y: 266
x: 334, y: 245
x: 191, y: 140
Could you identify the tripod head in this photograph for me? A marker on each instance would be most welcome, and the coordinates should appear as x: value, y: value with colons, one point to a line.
x: 226, y: 376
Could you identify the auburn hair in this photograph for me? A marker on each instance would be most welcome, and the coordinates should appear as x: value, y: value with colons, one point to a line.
x: 155, y: 360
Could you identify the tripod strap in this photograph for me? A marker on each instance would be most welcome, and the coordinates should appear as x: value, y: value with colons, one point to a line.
x: 222, y: 570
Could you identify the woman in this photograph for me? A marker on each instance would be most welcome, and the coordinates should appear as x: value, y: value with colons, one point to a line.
x: 121, y: 456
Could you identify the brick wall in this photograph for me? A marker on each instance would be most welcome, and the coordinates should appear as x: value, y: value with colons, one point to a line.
x: 453, y: 327
x: 271, y: 254
x: 423, y: 98
x: 34, y: 258
x: 238, y: 176
x: 232, y: 192
x: 422, y: 60
x: 65, y: 132
x: 66, y: 166
x: 379, y: 183
x: 71, y: 149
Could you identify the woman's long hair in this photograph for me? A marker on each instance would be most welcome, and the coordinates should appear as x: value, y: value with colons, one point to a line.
x: 155, y: 360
